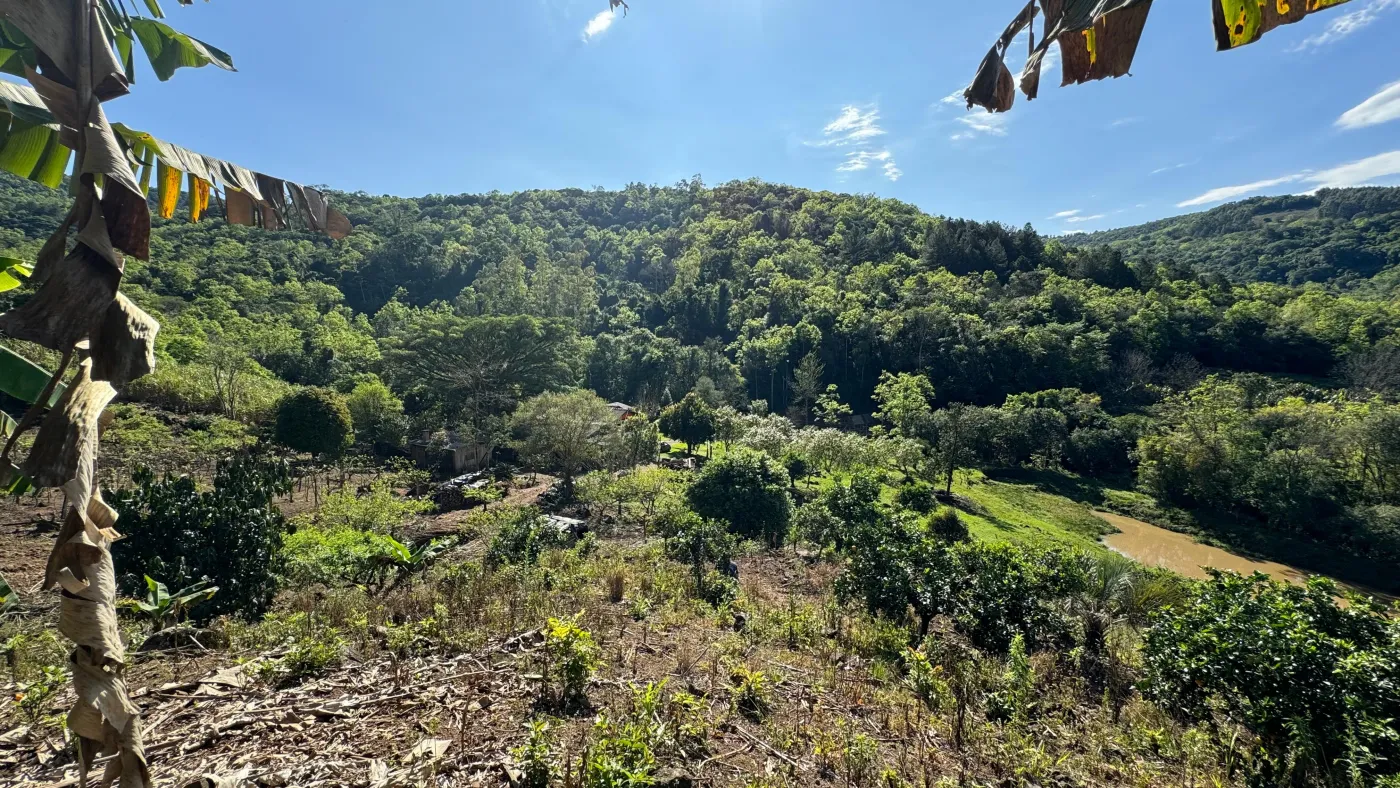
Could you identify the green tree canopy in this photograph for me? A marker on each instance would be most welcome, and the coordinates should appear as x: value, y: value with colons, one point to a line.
x: 316, y: 421
x: 747, y: 490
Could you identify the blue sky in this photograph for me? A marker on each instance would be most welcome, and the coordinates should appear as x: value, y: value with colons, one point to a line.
x: 439, y: 96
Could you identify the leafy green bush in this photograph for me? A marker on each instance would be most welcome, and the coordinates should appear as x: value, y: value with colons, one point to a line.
x: 311, y: 654
x: 522, y: 535
x: 315, y: 421
x: 917, y: 495
x: 571, y: 657
x: 535, y: 758
x: 186, y: 388
x: 992, y: 592
x: 748, y: 491
x: 702, y: 544
x: 1318, y: 684
x: 230, y: 536
x: 376, y: 413
x: 378, y: 509
x: 751, y: 692
x: 336, y: 555
x: 948, y: 526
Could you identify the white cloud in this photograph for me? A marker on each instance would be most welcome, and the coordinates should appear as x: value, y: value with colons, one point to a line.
x: 598, y: 24
x: 1346, y: 24
x: 1086, y: 218
x: 1226, y: 192
x: 991, y: 124
x: 1380, y: 108
x: 1066, y: 214
x: 857, y: 128
x: 1124, y: 122
x: 1356, y: 173
x: 852, y: 126
x: 1169, y: 168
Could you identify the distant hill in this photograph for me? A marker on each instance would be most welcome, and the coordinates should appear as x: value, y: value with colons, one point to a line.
x: 1346, y: 237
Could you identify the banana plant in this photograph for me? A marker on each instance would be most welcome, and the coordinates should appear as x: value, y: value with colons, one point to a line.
x: 163, y: 608
x: 414, y: 559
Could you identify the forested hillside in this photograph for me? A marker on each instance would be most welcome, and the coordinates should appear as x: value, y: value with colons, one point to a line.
x: 926, y: 410
x: 451, y: 310
x: 1344, y: 237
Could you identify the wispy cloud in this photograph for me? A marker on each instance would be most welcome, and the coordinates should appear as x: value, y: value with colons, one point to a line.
x: 854, y: 125
x: 1356, y: 173
x: 1224, y: 193
x: 598, y: 25
x: 1346, y: 24
x: 856, y: 129
x: 1095, y: 217
x: 1124, y: 122
x: 1066, y: 214
x: 1171, y: 167
x: 1380, y: 108
x: 979, y: 124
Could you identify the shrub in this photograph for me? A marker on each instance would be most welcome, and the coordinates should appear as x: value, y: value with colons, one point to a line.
x: 747, y: 490
x: 925, y: 679
x: 571, y: 657
x: 701, y: 544
x: 315, y: 421
x: 229, y: 536
x: 917, y: 495
x: 1317, y: 683
x: 377, y: 509
x: 948, y: 526
x: 522, y: 535
x: 311, y: 654
x: 336, y: 555
x: 535, y: 758
x: 993, y: 592
x: 751, y: 692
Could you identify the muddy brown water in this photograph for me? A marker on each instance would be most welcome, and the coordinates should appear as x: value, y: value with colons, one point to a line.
x: 1156, y: 546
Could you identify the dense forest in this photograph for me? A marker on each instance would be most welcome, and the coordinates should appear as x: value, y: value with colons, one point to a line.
x: 924, y: 409
x: 444, y: 312
x: 1343, y: 237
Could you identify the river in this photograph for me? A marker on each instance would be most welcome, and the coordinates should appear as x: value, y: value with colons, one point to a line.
x: 1154, y: 546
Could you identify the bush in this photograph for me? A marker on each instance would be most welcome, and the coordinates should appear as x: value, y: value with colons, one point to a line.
x: 948, y: 526
x: 522, y: 535
x: 230, y: 536
x: 917, y: 495
x: 748, y: 491
x: 185, y: 388
x: 315, y: 421
x: 1317, y: 683
x: 992, y: 592
x: 336, y: 555
x: 703, y: 545
x: 571, y: 656
x: 378, y: 509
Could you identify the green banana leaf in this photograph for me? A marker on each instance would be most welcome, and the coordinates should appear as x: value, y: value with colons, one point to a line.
x: 169, y: 49
x: 24, y: 147
x: 12, y: 270
x: 24, y: 380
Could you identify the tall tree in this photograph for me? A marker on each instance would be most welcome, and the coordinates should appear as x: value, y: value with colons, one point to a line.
x: 565, y: 433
